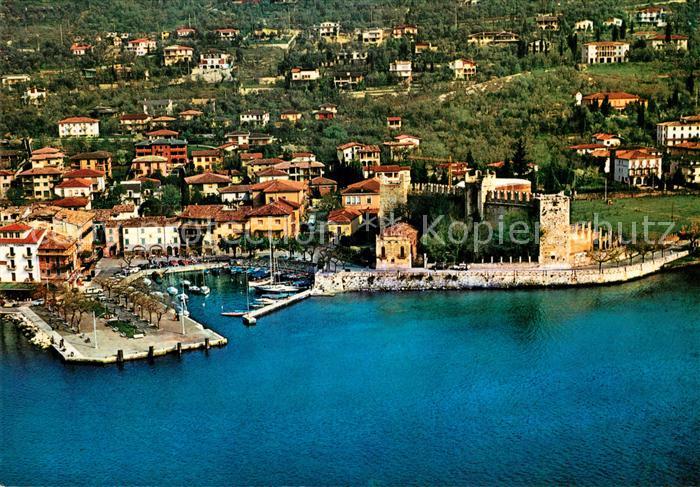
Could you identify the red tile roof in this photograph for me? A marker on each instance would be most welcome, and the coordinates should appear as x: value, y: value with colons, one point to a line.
x: 84, y: 173
x: 71, y: 202
x: 235, y: 188
x: 163, y: 133
x: 206, y: 153
x: 343, y: 215
x: 371, y: 185
x: 208, y: 178
x: 276, y: 208
x: 41, y: 171
x: 75, y: 183
x: 78, y: 120
x: 201, y: 212
x: 321, y: 181
x: 279, y: 186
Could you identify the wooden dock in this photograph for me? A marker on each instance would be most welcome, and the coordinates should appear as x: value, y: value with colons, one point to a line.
x: 251, y: 318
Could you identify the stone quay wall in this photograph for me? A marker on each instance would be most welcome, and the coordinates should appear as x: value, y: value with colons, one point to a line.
x: 484, y: 277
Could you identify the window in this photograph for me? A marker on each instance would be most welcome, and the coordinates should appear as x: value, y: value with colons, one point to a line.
x: 383, y: 253
x: 402, y: 253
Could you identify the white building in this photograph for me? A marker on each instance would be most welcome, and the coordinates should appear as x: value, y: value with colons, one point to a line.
x: 255, y: 117
x: 604, y: 52
x: 673, y: 133
x: 637, y: 166
x: 34, y: 96
x: 19, y: 253
x: 151, y: 235
x: 214, y: 60
x: 301, y: 74
x: 329, y: 29
x: 402, y: 70
x: 79, y: 127
x: 141, y: 47
x: 655, y: 15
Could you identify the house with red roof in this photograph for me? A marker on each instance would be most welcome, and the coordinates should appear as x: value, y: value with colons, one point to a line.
x: 344, y: 222
x: 80, y: 49
x: 75, y: 187
x: 96, y: 178
x: 47, y: 157
x: 141, y: 46
x: 207, y: 183
x: 19, y: 253
x: 38, y: 183
x: 277, y: 219
x: 363, y: 196
x: 637, y: 167
x: 58, y: 257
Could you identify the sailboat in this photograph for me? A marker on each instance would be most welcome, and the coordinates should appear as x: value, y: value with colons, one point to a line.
x: 273, y: 287
x: 238, y: 314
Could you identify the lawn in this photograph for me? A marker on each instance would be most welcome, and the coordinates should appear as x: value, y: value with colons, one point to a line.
x: 678, y: 209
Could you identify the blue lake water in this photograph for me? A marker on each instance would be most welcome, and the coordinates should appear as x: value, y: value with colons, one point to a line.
x: 592, y: 386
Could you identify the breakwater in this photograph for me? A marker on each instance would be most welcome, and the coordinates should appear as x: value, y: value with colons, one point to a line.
x: 486, y: 276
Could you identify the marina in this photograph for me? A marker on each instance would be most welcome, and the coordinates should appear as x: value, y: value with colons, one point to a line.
x: 344, y: 389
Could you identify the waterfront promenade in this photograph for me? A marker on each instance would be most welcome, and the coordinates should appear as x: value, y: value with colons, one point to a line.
x: 489, y: 276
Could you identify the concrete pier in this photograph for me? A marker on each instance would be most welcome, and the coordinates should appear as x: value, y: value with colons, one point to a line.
x: 252, y: 317
x: 113, y: 348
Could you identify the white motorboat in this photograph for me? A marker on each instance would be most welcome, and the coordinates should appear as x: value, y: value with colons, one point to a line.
x: 172, y: 290
x: 277, y: 288
x: 205, y: 290
x: 194, y: 289
x: 186, y: 283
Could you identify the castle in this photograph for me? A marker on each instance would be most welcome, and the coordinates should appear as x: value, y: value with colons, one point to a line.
x: 489, y: 198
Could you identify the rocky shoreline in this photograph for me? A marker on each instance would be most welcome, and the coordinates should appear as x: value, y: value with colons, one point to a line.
x: 36, y: 336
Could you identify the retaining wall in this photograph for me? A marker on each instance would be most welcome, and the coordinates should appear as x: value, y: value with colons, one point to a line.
x: 509, y: 276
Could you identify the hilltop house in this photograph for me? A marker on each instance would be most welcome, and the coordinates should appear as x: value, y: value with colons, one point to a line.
x: 255, y: 117
x: 674, y: 132
x: 79, y: 127
x: 463, y: 68
x: 637, y: 166
x: 301, y: 75
x: 134, y: 122
x: 177, y: 54
x: 402, y: 70
x: 605, y: 52
x: 141, y: 46
x: 618, y: 100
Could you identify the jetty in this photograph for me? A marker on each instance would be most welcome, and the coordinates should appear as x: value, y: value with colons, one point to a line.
x: 251, y: 317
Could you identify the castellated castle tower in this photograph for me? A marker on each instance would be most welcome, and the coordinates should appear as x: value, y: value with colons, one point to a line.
x: 555, y: 229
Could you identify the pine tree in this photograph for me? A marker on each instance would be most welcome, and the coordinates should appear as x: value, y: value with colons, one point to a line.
x: 519, y: 162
